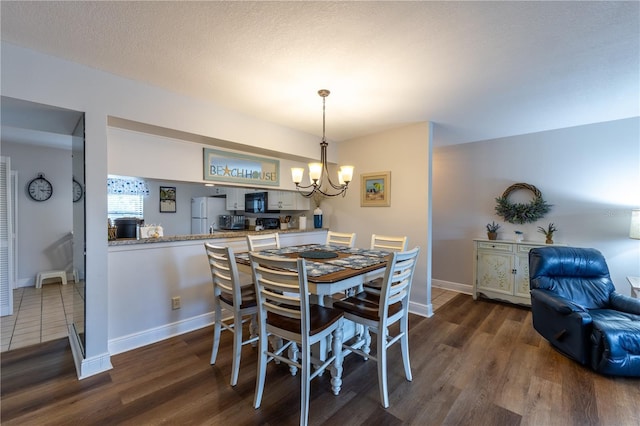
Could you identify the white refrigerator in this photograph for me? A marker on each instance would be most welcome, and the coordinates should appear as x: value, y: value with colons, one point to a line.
x: 205, y: 212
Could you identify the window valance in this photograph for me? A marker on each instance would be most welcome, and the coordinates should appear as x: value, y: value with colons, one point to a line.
x: 126, y: 186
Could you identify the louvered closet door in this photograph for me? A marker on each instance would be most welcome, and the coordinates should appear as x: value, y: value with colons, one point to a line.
x: 6, y: 255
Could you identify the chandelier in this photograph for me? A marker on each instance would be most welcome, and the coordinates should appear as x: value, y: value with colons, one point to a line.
x: 321, y: 182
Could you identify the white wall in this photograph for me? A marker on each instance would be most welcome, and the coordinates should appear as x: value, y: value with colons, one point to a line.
x: 36, y: 77
x: 41, y: 225
x: 591, y: 175
x: 146, y: 155
x: 405, y: 152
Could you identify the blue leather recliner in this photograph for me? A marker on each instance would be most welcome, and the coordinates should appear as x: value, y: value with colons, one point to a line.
x: 576, y: 308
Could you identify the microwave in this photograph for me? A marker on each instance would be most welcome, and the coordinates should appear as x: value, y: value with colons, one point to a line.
x: 257, y: 202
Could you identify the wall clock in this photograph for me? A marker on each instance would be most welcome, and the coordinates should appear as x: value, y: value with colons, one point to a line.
x: 77, y: 191
x: 40, y: 189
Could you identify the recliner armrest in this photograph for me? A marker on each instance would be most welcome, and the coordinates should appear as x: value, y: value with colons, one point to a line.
x: 557, y: 303
x: 624, y: 303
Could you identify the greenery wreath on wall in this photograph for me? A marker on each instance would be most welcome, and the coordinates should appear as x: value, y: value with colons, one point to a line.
x: 519, y: 212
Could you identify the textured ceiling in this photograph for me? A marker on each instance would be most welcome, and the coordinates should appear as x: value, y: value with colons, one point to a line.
x: 478, y: 70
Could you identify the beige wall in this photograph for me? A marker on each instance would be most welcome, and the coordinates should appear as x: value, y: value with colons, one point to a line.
x: 405, y: 153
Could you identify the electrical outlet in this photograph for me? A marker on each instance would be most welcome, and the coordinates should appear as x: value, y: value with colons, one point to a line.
x: 175, y: 302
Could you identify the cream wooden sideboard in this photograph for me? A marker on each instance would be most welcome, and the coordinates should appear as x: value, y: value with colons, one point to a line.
x: 501, y: 270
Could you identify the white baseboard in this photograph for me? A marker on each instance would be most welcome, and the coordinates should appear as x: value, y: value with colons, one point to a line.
x: 153, y: 335
x: 86, y: 367
x: 421, y: 309
x: 448, y: 285
x: 147, y: 337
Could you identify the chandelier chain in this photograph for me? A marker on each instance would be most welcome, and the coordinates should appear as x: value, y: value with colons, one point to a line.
x: 324, y: 178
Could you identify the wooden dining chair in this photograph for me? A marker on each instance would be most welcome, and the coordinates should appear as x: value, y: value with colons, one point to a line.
x: 282, y: 292
x: 341, y: 239
x: 386, y: 243
x: 257, y: 242
x: 377, y: 312
x: 235, y: 296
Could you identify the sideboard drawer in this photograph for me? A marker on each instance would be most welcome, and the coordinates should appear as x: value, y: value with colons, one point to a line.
x: 495, y: 246
x: 524, y: 248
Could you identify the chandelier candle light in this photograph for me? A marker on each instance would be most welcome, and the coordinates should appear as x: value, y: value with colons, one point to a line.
x: 319, y: 173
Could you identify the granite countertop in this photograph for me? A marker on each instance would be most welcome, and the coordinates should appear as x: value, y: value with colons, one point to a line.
x: 216, y: 234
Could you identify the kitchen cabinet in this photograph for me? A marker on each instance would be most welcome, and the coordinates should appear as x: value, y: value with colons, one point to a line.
x: 501, y: 270
x: 281, y: 200
x: 235, y: 198
x: 287, y: 200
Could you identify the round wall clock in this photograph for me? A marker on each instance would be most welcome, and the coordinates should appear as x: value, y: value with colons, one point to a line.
x: 39, y: 188
x: 77, y: 191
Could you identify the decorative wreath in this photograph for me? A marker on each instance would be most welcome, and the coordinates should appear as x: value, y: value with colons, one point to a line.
x: 519, y: 212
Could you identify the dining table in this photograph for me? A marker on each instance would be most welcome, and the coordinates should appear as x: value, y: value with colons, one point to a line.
x: 331, y: 269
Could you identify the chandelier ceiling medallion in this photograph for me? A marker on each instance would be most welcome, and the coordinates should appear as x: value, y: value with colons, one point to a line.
x: 321, y: 183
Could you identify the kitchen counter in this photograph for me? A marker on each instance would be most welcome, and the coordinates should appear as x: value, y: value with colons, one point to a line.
x: 215, y: 235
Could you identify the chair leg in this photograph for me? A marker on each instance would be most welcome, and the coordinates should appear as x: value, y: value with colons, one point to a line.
x: 404, y: 344
x: 276, y: 343
x: 262, y: 367
x: 336, y: 368
x: 382, y: 368
x: 366, y: 347
x: 237, y: 348
x: 216, y: 331
x: 293, y: 356
x: 253, y: 329
x: 305, y: 385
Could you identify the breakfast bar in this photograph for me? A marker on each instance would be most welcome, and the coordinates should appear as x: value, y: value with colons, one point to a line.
x: 148, y: 278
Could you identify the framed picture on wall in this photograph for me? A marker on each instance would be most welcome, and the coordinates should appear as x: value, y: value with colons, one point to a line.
x: 167, y: 199
x: 375, y: 189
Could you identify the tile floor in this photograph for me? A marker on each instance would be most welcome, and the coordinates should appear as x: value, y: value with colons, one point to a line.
x: 39, y: 315
x: 42, y: 314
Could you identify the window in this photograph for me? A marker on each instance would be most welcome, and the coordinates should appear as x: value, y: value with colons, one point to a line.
x: 125, y: 197
x: 124, y: 205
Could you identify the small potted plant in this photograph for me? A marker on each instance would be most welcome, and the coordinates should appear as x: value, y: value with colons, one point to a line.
x: 548, y: 232
x: 492, y: 230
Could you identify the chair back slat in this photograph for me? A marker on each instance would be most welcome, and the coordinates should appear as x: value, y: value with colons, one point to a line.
x: 224, y: 271
x: 281, y: 286
x: 341, y: 239
x: 398, y: 277
x: 386, y: 242
x: 256, y: 242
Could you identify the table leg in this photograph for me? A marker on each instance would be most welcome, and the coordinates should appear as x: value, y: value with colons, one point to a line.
x: 336, y: 368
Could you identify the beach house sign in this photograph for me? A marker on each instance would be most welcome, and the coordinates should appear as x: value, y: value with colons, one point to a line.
x: 232, y: 167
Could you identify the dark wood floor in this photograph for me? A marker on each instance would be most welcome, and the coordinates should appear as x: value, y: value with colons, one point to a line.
x: 474, y: 363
